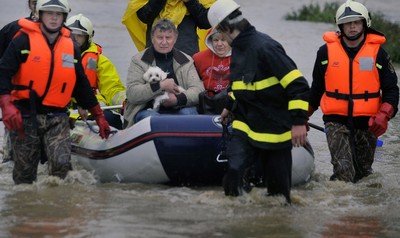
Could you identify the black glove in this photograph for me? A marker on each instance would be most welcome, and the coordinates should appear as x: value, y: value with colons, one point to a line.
x: 232, y: 183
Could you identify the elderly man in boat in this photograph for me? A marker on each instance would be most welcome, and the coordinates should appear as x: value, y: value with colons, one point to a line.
x: 181, y: 73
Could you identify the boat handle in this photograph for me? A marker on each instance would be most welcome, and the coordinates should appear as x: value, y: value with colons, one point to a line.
x: 221, y: 160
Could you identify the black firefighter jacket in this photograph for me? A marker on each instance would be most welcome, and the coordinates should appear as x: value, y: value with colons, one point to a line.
x: 269, y: 93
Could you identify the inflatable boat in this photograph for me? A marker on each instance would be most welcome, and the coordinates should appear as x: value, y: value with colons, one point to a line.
x: 178, y: 150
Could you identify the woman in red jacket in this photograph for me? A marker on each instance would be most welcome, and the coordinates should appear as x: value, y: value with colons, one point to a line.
x: 212, y: 64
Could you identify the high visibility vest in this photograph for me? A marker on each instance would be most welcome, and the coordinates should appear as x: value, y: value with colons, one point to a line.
x: 50, y: 74
x: 352, y: 87
x: 89, y: 63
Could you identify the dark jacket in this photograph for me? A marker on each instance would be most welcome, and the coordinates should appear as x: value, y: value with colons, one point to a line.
x: 387, y: 77
x: 9, y: 66
x: 274, y: 85
x: 187, y: 40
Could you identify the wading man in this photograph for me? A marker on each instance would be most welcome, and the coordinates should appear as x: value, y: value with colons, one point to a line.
x: 355, y: 85
x: 39, y: 72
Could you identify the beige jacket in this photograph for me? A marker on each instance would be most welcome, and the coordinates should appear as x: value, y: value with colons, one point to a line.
x: 139, y: 92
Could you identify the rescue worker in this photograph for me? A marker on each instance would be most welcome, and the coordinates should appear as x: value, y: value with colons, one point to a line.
x: 6, y: 35
x: 268, y: 101
x: 101, y: 72
x: 355, y: 84
x: 39, y: 72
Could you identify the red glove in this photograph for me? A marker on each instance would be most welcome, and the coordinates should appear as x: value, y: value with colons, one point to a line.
x: 379, y: 122
x: 12, y: 118
x: 104, y: 128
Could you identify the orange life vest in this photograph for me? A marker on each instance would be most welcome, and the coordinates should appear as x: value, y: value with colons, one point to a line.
x: 352, y: 87
x: 48, y: 73
x: 89, y: 63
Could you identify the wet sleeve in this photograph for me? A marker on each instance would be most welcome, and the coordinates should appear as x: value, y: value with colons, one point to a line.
x: 150, y: 10
x: 388, y: 79
x: 11, y: 60
x: 230, y: 99
x: 199, y: 13
x: 6, y: 35
x: 318, y: 83
x: 3, y: 40
x: 109, y: 83
x: 290, y: 78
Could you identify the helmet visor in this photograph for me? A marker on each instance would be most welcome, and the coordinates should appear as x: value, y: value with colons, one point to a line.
x: 52, y: 9
x: 349, y: 19
x: 78, y: 32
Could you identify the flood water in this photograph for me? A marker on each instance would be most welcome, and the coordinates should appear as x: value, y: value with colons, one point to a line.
x: 80, y: 206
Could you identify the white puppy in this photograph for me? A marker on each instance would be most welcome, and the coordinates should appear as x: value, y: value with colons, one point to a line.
x: 155, y: 74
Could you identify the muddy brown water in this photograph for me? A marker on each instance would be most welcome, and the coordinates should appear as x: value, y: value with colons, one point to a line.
x: 81, y: 207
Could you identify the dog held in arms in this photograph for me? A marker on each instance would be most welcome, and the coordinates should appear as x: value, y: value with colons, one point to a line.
x: 155, y: 74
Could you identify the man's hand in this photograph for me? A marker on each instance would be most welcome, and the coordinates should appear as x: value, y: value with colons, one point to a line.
x: 225, y: 116
x: 299, y: 135
x: 172, y: 101
x: 83, y: 113
x: 169, y: 86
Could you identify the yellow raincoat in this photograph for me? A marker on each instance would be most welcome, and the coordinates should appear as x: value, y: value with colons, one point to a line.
x: 175, y: 10
x: 110, y: 89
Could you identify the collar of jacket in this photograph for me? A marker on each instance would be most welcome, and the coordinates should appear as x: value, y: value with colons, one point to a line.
x: 178, y: 56
x: 241, y: 40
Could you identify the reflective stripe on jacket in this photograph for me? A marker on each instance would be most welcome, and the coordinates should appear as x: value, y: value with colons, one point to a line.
x: 48, y: 73
x: 270, y: 93
x: 89, y: 63
x: 354, y: 80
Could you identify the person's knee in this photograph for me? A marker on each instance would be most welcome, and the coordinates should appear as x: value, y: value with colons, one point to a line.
x: 113, y: 119
x: 143, y: 114
x: 188, y: 111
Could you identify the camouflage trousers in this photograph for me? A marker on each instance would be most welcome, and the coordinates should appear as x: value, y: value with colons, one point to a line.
x: 50, y: 132
x: 351, y: 158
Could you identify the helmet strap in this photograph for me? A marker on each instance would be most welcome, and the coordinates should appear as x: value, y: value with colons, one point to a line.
x: 354, y: 38
x: 85, y: 45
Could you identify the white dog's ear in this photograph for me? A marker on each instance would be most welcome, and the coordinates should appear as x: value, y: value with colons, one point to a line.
x: 146, y: 75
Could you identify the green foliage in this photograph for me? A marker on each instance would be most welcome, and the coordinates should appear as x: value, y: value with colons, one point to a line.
x: 392, y: 33
x: 315, y: 13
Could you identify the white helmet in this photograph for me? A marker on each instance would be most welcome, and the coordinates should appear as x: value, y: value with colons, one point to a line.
x: 52, y: 5
x: 220, y: 10
x: 352, y: 11
x: 79, y: 24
